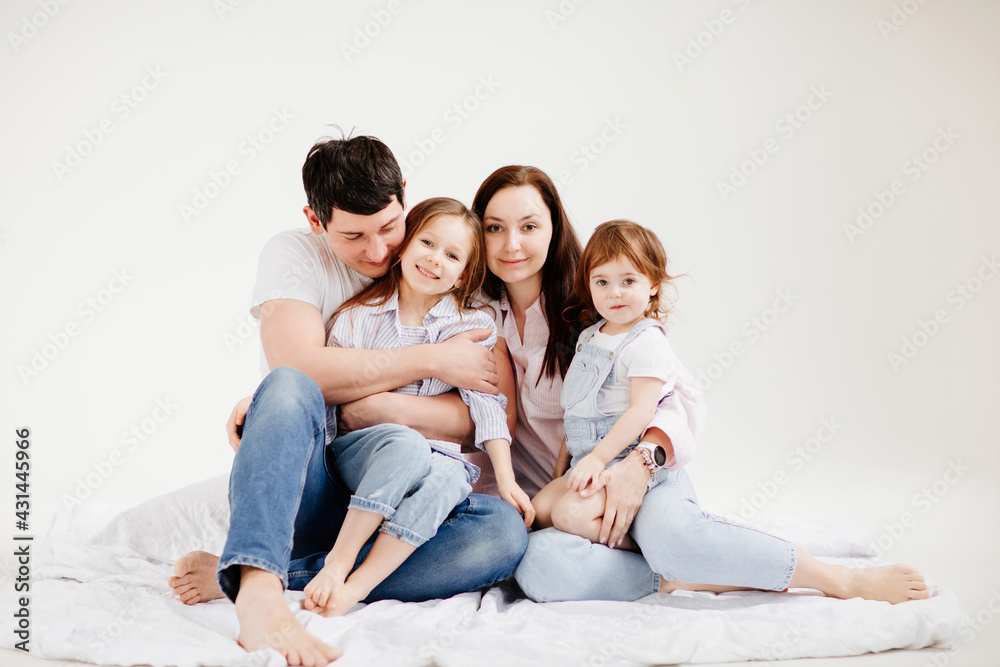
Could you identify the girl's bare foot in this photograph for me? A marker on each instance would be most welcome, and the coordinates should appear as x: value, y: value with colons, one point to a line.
x: 342, y: 599
x: 326, y: 584
x: 267, y: 622
x: 195, y: 579
x: 890, y: 583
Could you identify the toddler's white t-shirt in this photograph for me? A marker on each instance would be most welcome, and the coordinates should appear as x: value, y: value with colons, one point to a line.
x: 647, y: 355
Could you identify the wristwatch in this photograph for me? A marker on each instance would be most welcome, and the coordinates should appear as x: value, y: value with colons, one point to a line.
x: 654, y: 457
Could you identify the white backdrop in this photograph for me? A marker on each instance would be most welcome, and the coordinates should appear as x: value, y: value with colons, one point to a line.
x: 825, y: 173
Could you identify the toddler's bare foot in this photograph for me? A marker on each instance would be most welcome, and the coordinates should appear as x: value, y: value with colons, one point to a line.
x: 890, y: 583
x: 325, y: 585
x: 266, y: 622
x: 195, y: 579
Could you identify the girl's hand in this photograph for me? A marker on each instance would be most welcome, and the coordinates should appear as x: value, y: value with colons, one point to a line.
x: 514, y: 495
x: 236, y: 419
x: 364, y: 412
x: 586, y: 473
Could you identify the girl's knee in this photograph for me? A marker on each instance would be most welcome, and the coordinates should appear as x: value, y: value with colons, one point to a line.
x: 571, y: 513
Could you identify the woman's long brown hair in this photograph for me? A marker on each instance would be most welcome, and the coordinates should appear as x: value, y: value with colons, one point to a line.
x: 560, y: 262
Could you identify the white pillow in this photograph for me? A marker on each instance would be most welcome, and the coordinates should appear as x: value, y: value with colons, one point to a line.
x: 194, y: 518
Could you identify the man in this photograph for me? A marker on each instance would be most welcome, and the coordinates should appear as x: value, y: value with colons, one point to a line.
x: 284, y: 522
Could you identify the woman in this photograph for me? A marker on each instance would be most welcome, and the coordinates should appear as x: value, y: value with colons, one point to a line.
x: 532, y: 255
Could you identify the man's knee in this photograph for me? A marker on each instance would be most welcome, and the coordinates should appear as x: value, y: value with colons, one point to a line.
x: 287, y: 390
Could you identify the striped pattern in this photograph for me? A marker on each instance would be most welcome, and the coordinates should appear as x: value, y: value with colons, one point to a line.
x: 379, y: 328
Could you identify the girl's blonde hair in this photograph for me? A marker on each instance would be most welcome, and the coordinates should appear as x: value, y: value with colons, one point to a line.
x: 624, y: 239
x: 421, y: 215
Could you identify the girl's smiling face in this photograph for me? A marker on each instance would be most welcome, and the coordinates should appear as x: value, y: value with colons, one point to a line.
x: 433, y: 262
x: 518, y: 229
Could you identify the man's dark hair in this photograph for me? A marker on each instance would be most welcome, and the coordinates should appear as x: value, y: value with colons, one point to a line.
x: 359, y: 175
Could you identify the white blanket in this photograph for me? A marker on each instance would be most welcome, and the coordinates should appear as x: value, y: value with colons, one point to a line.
x: 104, y: 600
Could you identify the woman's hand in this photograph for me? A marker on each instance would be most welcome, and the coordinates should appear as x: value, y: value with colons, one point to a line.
x: 235, y: 420
x: 586, y: 474
x: 625, y: 486
x: 516, y: 496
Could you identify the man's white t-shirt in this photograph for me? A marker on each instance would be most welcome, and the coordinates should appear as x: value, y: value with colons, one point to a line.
x: 298, y: 264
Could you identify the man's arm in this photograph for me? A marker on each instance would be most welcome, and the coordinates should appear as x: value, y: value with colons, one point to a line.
x: 293, y: 334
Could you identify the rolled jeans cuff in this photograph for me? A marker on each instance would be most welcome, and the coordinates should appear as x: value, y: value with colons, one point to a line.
x: 366, y: 505
x: 229, y: 573
x: 403, y: 534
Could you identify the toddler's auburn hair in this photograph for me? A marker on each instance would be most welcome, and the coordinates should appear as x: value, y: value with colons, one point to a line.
x: 624, y: 239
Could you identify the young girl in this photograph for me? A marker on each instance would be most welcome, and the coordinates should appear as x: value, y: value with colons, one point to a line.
x: 401, y: 483
x: 622, y: 369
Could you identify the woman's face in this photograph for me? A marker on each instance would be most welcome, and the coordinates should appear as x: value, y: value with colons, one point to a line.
x: 518, y: 230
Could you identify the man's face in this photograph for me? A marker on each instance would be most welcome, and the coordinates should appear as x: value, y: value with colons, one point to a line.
x: 364, y: 243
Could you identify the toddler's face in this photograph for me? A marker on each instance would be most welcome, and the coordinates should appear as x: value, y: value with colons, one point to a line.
x: 620, y: 293
x: 436, y: 257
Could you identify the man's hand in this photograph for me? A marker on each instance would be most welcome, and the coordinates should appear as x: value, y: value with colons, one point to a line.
x: 464, y: 363
x: 236, y: 419
x: 625, y: 486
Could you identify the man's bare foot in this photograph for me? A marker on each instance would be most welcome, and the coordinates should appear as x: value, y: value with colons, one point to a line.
x: 326, y: 584
x: 195, y: 579
x: 267, y: 622
x: 890, y: 583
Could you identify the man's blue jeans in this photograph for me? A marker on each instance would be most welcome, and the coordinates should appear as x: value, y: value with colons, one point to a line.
x: 287, y: 504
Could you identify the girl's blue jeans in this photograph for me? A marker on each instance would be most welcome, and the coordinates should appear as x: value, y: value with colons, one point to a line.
x: 678, y: 541
x: 287, y: 503
x: 393, y: 472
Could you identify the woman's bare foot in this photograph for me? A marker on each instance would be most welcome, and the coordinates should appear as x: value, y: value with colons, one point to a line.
x: 195, y: 579
x: 890, y: 583
x: 267, y: 622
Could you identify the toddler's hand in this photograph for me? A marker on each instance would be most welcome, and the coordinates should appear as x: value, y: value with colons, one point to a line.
x: 514, y: 495
x: 585, y: 473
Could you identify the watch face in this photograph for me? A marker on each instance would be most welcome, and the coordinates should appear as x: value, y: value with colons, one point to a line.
x: 659, y: 455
